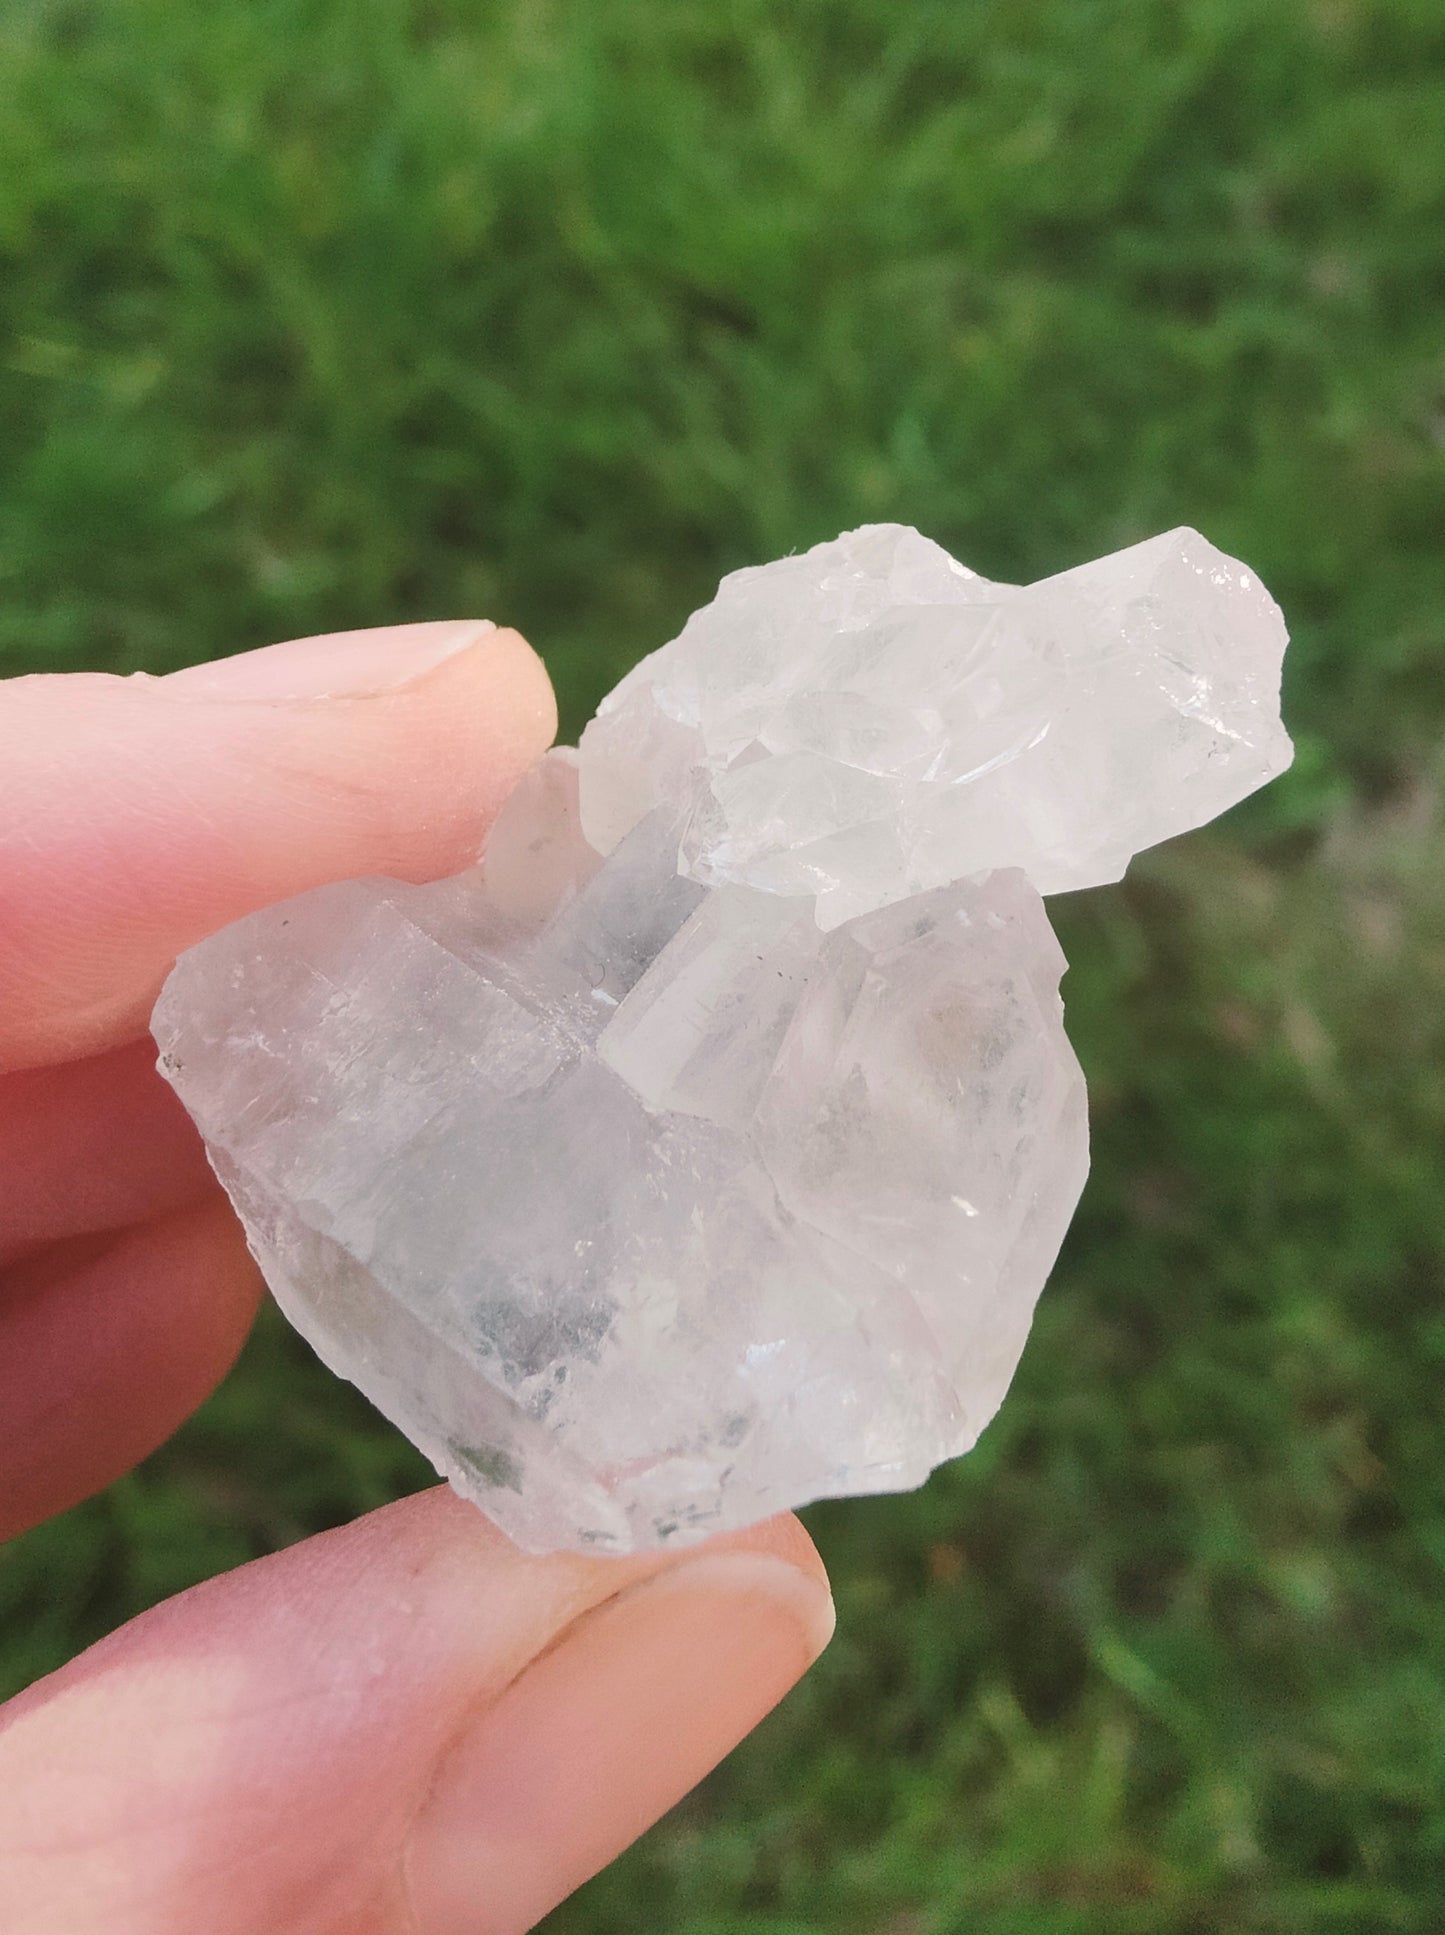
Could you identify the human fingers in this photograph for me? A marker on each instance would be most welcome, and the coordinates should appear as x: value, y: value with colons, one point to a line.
x: 106, y: 1345
x: 403, y: 1727
x: 93, y: 1145
x: 137, y: 815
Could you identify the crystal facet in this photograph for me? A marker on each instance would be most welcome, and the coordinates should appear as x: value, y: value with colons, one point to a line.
x: 704, y: 1148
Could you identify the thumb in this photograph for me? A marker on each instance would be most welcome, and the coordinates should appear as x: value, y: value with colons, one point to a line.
x: 138, y: 815
x: 403, y: 1727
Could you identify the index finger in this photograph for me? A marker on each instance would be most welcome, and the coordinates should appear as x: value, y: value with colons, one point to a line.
x: 138, y: 815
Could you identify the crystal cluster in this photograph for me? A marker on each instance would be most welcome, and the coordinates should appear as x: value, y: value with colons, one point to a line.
x: 703, y: 1149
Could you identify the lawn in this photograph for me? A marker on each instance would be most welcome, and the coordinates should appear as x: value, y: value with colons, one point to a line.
x: 317, y: 313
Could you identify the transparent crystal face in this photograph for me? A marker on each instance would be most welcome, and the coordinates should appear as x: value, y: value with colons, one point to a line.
x: 704, y: 1149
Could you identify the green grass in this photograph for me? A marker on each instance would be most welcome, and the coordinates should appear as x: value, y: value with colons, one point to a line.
x: 316, y: 314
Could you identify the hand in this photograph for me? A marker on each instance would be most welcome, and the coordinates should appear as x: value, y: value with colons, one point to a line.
x: 404, y: 1725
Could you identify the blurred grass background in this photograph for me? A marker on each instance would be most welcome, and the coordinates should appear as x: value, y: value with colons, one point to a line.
x: 318, y: 313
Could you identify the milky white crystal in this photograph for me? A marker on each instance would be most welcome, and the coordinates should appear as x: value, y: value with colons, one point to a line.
x: 703, y: 1149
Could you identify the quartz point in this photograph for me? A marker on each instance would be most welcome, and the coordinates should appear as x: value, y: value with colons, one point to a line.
x: 704, y: 1148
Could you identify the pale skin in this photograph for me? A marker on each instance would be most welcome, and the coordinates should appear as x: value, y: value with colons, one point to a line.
x: 403, y: 1727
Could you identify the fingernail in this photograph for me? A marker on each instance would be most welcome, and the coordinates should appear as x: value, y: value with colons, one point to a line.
x: 340, y: 665
x: 604, y: 1733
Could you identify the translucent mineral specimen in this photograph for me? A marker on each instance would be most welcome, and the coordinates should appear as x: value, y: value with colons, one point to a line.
x: 703, y: 1150
x: 871, y: 719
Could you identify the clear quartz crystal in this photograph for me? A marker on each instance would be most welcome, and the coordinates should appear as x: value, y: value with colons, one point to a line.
x: 704, y: 1149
